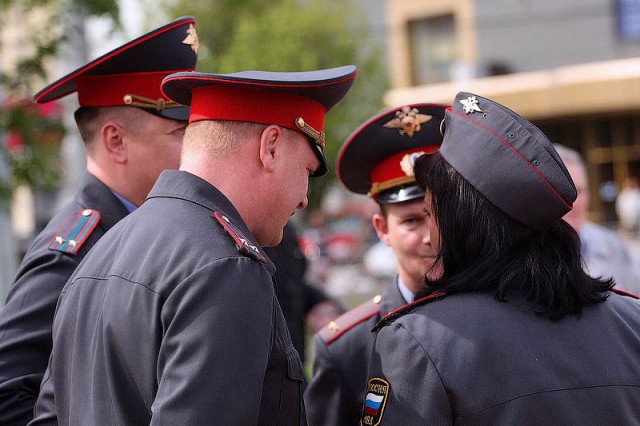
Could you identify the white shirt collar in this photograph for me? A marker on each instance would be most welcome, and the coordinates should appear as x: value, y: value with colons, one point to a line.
x: 407, y: 294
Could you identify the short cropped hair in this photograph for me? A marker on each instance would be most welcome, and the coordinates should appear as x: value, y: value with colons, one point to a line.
x: 217, y: 138
x: 483, y: 249
x: 90, y: 119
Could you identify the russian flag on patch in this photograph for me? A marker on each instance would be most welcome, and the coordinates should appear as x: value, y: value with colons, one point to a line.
x: 372, y: 404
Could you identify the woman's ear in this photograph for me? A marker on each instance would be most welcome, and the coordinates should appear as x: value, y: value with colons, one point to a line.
x: 271, y: 145
x: 112, y: 138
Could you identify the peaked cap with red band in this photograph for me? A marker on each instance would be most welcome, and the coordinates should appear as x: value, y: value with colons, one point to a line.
x: 294, y: 100
x: 508, y: 160
x: 132, y: 73
x: 377, y: 159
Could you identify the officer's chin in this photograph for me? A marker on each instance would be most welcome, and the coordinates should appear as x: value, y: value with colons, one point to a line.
x: 271, y: 240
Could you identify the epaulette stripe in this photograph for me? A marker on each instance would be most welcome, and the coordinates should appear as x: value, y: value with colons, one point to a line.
x: 339, y: 321
x: 241, y: 241
x: 624, y: 293
x: 344, y: 330
x: 74, y: 233
x: 356, y: 312
x: 86, y: 231
x: 76, y: 229
x: 52, y: 244
x: 403, y: 309
x: 67, y: 229
x: 344, y: 318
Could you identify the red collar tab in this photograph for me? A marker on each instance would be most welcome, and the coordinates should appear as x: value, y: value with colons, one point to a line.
x: 220, y: 102
x: 391, y: 316
x: 396, y: 170
x: 133, y: 89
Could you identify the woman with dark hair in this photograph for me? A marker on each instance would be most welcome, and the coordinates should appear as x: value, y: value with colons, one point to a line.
x: 508, y: 328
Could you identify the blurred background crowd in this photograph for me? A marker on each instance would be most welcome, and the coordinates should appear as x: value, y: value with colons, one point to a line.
x: 572, y: 67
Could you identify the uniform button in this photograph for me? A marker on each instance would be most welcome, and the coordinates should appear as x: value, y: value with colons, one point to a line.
x: 377, y: 299
x: 87, y: 212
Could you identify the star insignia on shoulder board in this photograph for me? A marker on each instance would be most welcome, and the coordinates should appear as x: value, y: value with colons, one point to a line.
x: 470, y: 105
x: 192, y: 38
x: 408, y: 121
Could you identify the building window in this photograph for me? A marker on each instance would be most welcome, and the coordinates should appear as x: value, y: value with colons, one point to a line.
x: 432, y: 49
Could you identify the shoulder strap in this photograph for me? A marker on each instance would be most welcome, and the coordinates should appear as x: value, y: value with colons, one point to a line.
x: 75, y: 231
x: 348, y: 320
x: 624, y: 293
x: 242, y: 243
x: 403, y: 310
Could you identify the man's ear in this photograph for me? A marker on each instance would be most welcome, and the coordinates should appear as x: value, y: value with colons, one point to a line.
x: 271, y: 143
x: 381, y: 227
x: 112, y: 138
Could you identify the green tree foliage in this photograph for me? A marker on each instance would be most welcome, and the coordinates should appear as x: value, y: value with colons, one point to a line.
x: 294, y: 35
x: 30, y: 135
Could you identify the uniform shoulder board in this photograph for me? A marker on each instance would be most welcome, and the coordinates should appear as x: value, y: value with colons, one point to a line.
x: 75, y: 231
x: 348, y: 320
x: 391, y: 316
x: 624, y: 293
x: 242, y: 243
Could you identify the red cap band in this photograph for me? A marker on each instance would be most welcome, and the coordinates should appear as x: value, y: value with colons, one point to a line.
x: 222, y: 102
x: 110, y: 90
x: 396, y: 169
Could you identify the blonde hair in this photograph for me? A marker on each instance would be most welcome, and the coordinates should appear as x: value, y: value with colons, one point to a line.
x: 218, y: 138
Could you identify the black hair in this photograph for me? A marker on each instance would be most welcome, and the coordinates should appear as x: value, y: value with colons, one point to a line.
x: 483, y: 249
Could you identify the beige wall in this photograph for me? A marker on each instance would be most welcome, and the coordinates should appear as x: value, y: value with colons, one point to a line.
x: 400, y: 12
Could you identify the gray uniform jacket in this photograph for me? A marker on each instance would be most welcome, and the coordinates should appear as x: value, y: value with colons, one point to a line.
x: 336, y: 392
x: 26, y: 319
x: 469, y: 359
x: 172, y: 319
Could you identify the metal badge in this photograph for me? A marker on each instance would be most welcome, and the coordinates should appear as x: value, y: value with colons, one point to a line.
x: 470, y: 105
x: 408, y: 121
x: 407, y: 162
x: 142, y: 102
x: 316, y: 135
x: 192, y: 39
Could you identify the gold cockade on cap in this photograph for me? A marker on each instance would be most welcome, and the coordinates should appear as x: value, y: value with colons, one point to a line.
x: 408, y: 121
x: 317, y: 136
x: 142, y: 102
x: 192, y: 39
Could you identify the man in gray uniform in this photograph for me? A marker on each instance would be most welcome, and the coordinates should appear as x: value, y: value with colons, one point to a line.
x: 124, y: 120
x: 377, y: 159
x: 508, y: 329
x: 172, y: 318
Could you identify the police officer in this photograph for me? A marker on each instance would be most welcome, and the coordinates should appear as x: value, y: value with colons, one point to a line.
x: 509, y: 329
x: 131, y: 133
x: 172, y: 318
x: 377, y: 159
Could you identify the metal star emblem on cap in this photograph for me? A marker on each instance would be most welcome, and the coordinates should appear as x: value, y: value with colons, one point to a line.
x: 192, y: 38
x: 408, y: 121
x: 470, y: 105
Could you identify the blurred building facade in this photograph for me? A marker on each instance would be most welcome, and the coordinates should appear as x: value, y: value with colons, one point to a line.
x: 570, y: 66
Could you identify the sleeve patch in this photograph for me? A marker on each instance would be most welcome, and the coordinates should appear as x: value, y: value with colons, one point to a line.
x: 75, y: 231
x: 332, y: 331
x: 375, y: 401
x: 242, y: 243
